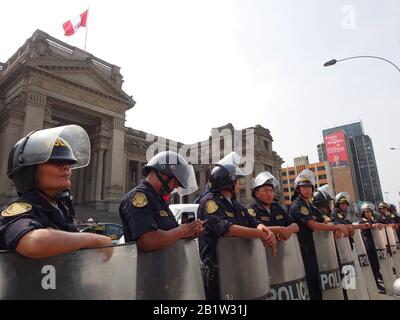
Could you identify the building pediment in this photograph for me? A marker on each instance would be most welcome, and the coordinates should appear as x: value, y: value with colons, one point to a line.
x: 80, y: 72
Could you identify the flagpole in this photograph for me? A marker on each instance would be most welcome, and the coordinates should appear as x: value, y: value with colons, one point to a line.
x: 87, y: 27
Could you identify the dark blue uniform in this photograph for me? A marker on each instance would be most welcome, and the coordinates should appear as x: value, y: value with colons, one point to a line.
x: 340, y: 217
x: 143, y: 210
x: 301, y: 213
x: 31, y: 212
x: 219, y: 215
x: 385, y: 219
x: 274, y: 216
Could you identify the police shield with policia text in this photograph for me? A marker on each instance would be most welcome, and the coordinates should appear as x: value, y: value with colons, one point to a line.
x: 309, y: 219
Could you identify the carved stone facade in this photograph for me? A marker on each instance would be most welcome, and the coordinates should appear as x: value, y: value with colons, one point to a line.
x: 49, y: 83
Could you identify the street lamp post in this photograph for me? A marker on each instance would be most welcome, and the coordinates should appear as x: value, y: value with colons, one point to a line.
x: 334, y: 61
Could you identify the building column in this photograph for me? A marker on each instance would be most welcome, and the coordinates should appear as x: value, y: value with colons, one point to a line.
x: 115, y: 180
x: 34, y: 112
x: 202, y: 180
x: 81, y: 185
x: 99, y: 175
x: 138, y: 172
x: 93, y: 189
x: 10, y: 134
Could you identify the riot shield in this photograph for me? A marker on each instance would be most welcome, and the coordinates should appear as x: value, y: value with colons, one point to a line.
x: 329, y: 273
x: 172, y: 273
x: 390, y: 233
x: 242, y: 267
x: 385, y: 262
x: 352, y: 281
x: 286, y: 271
x: 363, y: 262
x: 82, y: 274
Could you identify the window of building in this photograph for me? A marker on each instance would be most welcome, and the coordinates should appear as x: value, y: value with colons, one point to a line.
x: 287, y: 198
x: 291, y: 172
x: 266, y: 145
x: 284, y: 174
x: 285, y: 189
x: 322, y: 176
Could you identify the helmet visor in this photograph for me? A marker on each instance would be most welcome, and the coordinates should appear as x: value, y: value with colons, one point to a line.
x: 186, y: 177
x: 39, y: 145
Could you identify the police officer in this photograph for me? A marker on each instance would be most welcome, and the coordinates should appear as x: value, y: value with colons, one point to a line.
x: 309, y: 218
x: 145, y: 214
x: 322, y: 199
x: 385, y: 217
x: 41, y: 222
x: 395, y: 218
x: 393, y: 214
x: 267, y: 210
x: 340, y: 211
x: 367, y: 219
x: 224, y: 216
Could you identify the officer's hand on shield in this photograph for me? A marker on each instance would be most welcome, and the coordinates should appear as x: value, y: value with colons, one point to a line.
x: 104, y: 244
x: 364, y: 226
x: 343, y: 229
x: 351, y: 230
x: 283, y: 233
x: 269, y: 240
x: 191, y: 230
x: 337, y: 234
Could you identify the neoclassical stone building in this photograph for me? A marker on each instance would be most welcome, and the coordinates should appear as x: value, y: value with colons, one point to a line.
x: 49, y: 83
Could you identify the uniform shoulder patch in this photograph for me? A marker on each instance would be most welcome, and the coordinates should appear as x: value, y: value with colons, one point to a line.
x: 304, y: 211
x: 139, y: 200
x: 211, y: 206
x: 251, y: 212
x: 365, y: 219
x: 340, y: 215
x: 16, y: 209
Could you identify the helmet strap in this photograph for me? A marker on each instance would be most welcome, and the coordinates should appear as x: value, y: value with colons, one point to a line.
x: 165, y: 189
x: 63, y: 197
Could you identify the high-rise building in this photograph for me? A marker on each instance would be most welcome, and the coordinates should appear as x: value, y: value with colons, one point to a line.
x: 360, y: 161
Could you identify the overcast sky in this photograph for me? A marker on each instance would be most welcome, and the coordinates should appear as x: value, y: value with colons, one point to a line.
x: 194, y: 65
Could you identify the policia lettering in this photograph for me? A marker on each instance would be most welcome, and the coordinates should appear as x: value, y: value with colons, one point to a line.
x: 293, y: 290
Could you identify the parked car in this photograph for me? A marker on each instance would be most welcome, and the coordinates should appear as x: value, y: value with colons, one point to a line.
x: 184, y: 213
x: 112, y: 230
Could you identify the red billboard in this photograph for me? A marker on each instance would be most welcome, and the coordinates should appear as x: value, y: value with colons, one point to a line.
x: 335, y: 144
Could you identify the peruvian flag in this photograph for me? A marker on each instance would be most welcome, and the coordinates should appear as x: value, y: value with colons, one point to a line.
x: 71, y: 26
